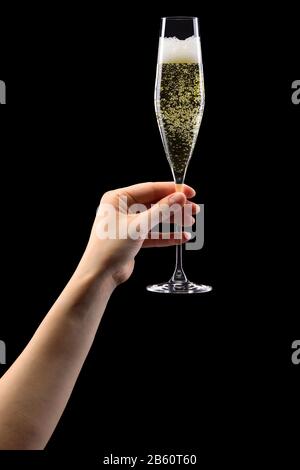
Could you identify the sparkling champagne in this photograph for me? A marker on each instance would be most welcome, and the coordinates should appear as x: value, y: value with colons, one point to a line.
x: 179, y: 106
x: 179, y: 101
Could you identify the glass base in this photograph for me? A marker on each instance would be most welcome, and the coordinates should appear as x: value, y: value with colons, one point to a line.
x: 179, y: 288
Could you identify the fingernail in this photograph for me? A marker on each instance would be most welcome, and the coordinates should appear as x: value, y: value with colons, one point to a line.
x: 197, y: 208
x: 188, y: 235
x: 177, y: 198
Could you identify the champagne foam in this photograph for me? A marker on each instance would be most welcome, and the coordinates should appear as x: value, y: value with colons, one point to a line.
x: 174, y: 50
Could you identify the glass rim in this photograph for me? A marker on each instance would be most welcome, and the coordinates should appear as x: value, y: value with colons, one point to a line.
x: 179, y: 17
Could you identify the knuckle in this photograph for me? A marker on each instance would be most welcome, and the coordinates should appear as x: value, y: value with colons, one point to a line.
x: 108, y: 195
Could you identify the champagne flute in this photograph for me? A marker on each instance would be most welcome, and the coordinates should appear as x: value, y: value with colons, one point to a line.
x: 179, y: 106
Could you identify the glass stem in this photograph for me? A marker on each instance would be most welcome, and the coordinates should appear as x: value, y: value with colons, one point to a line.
x: 178, y: 275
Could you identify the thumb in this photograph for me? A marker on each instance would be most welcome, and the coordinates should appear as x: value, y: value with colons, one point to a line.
x: 160, y: 212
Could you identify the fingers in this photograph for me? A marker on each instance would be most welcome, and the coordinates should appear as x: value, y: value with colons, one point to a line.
x: 146, y: 193
x: 172, y: 239
x: 187, y: 218
x: 161, y: 211
x: 195, y: 207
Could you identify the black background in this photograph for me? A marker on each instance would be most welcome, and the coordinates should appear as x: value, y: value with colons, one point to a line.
x: 210, y: 374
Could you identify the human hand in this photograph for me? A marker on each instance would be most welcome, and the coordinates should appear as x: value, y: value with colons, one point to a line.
x: 113, y: 254
x: 34, y: 391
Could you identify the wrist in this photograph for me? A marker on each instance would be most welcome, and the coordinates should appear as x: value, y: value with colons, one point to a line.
x: 99, y: 277
x: 100, y: 267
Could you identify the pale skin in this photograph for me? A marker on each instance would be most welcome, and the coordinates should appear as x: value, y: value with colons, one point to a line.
x: 36, y: 388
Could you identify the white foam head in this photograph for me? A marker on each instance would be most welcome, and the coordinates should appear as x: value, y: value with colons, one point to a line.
x: 174, y: 50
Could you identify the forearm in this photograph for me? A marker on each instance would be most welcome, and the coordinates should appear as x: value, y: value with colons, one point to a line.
x: 35, y: 390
